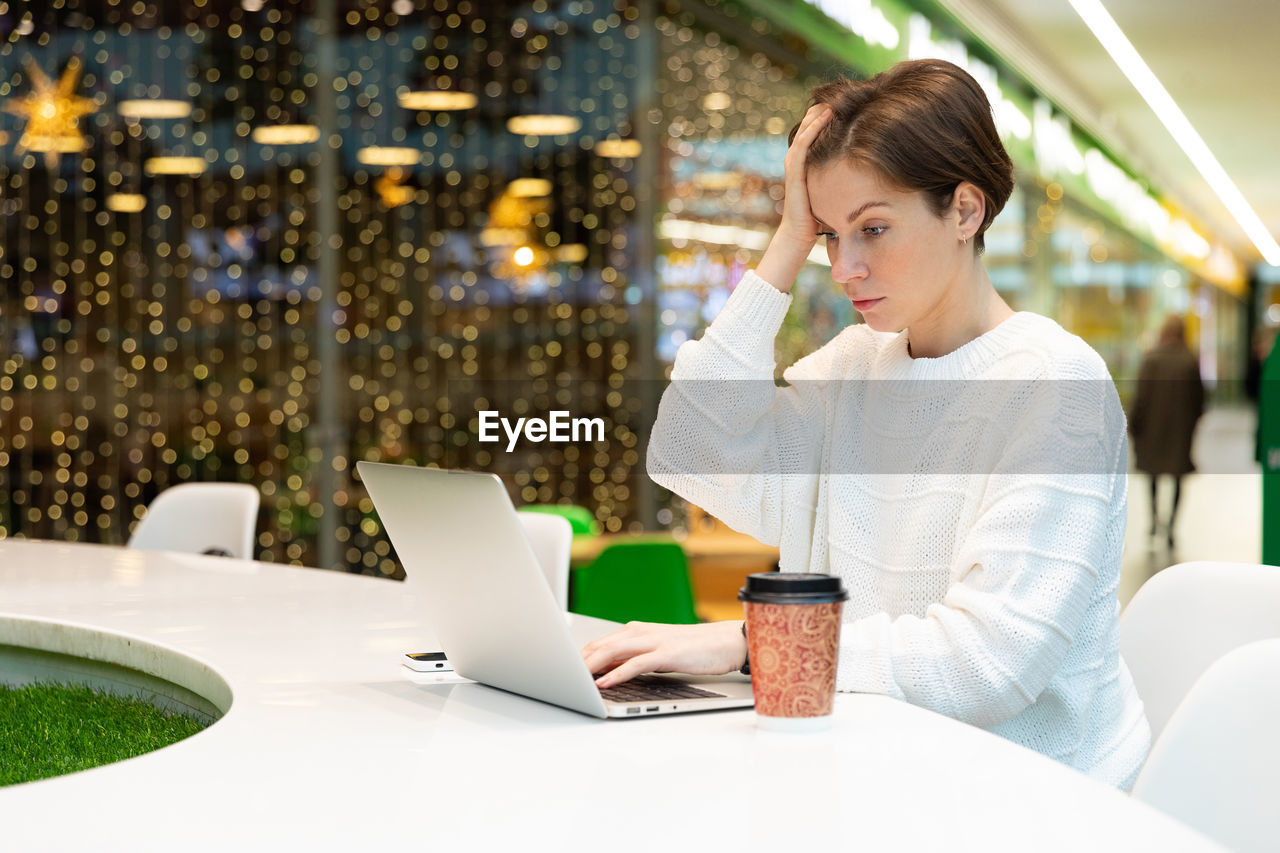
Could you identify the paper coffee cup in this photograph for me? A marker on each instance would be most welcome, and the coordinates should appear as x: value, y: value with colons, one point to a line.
x: 793, y: 640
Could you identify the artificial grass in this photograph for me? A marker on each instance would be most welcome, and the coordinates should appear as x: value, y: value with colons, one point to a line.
x: 52, y: 729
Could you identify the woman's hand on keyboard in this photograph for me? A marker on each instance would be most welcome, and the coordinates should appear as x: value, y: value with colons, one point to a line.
x: 712, y: 648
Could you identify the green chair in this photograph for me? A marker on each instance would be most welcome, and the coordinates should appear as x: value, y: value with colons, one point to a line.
x: 641, y: 581
x: 580, y: 518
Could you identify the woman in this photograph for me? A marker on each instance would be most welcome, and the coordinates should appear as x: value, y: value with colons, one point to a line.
x: 960, y: 466
x: 1169, y: 401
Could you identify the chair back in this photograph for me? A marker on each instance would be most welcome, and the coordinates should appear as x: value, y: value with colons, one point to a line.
x: 640, y: 581
x: 199, y: 518
x: 579, y: 517
x: 1185, y: 618
x: 551, y: 537
x: 1216, y: 765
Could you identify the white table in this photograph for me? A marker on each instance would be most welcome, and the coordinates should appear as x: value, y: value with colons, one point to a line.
x: 331, y: 744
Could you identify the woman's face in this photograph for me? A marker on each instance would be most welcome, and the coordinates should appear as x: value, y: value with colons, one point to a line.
x: 894, y: 258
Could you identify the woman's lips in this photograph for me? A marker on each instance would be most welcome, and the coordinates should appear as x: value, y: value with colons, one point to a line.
x: 864, y: 304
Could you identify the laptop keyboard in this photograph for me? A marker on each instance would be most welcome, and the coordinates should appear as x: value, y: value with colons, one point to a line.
x: 649, y: 688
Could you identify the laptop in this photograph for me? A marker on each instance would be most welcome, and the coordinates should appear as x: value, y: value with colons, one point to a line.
x: 463, y: 545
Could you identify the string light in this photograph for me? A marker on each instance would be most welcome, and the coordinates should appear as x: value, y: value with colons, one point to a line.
x: 178, y: 340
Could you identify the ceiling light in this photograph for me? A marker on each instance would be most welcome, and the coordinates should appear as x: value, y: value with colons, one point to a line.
x: 126, y: 202
x: 1104, y: 27
x: 501, y: 236
x: 436, y: 100
x: 377, y: 155
x: 285, y: 134
x: 174, y: 165
x: 154, y: 108
x: 620, y: 148
x: 571, y: 253
x: 717, y: 180
x: 529, y: 188
x: 717, y: 101
x: 543, y: 125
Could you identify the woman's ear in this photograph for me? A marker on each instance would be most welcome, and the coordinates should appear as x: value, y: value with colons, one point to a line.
x: 970, y: 207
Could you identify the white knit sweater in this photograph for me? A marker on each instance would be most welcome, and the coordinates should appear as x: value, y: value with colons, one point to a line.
x: 977, y: 524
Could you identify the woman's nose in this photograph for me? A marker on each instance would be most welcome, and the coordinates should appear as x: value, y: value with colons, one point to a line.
x: 847, y: 265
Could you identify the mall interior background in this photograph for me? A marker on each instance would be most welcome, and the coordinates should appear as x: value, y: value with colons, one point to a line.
x: 190, y: 292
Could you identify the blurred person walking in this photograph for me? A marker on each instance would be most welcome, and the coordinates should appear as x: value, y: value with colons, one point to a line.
x: 1168, y: 403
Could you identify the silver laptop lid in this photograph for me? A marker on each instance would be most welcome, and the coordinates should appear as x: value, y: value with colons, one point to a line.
x: 460, y: 540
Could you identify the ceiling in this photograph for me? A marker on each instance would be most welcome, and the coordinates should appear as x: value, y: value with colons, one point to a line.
x: 1219, y: 62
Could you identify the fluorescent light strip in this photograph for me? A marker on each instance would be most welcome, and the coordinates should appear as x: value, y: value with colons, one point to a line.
x: 1108, y: 32
x: 728, y: 235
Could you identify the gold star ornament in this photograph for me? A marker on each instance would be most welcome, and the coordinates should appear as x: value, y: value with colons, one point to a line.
x: 52, y: 111
x: 391, y: 187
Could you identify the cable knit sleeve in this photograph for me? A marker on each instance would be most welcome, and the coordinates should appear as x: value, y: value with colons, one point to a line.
x: 1025, y: 575
x: 726, y: 434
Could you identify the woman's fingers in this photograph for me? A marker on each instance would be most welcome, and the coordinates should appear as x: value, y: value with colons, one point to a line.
x: 637, y: 648
x: 814, y: 119
x: 812, y: 113
x: 628, y: 670
x: 606, y: 659
x: 810, y: 126
x: 603, y: 653
x: 797, y: 220
x: 704, y: 649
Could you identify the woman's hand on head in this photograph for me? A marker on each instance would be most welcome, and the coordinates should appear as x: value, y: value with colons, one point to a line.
x: 797, y: 218
x: 712, y: 648
x: 797, y: 234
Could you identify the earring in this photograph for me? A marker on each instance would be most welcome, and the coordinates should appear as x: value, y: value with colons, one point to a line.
x: 964, y: 240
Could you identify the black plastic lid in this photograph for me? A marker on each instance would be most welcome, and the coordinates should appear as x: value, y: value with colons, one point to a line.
x: 792, y: 588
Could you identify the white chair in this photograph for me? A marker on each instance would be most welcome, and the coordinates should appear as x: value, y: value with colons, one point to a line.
x: 551, y: 537
x: 1216, y: 766
x: 1185, y: 618
x: 200, y: 518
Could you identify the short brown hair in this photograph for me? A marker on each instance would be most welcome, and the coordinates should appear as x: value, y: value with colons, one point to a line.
x: 925, y: 125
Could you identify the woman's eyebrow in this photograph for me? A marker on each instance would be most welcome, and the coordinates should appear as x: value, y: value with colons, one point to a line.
x: 865, y: 207
x: 852, y: 216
